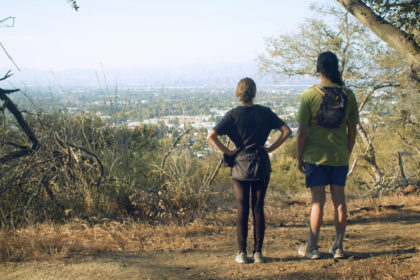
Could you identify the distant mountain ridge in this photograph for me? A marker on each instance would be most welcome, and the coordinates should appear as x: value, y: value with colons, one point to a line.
x: 207, y: 75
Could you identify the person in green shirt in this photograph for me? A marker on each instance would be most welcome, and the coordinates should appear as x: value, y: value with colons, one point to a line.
x: 323, y: 152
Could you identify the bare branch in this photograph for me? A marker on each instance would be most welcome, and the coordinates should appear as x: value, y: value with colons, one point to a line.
x: 369, y: 208
x: 7, y: 91
x: 405, y: 141
x: 371, y: 156
x: 173, y: 147
x: 41, y: 181
x: 7, y: 75
x: 101, y: 167
x: 3, y: 22
x: 15, y: 155
x: 19, y: 118
x: 375, y: 88
x: 215, y: 172
x: 357, y: 156
x: 8, y: 55
x: 401, y: 166
x: 217, y: 168
x: 15, y: 145
x: 51, y: 195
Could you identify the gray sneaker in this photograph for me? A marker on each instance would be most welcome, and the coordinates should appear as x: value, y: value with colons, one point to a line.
x: 241, y: 258
x: 305, y: 251
x: 258, y: 257
x: 337, y: 253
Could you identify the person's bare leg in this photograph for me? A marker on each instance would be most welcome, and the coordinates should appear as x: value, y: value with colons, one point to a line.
x: 340, y: 214
x: 317, y: 210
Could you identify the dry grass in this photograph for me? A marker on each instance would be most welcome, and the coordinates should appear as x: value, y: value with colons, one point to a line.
x: 82, y: 238
x: 286, y: 210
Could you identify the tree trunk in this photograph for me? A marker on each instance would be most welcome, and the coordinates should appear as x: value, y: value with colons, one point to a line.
x: 394, y: 36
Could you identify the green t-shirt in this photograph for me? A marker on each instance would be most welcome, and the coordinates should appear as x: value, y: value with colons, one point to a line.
x: 326, y: 146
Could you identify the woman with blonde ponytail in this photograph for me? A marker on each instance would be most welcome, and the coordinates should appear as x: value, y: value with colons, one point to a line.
x: 248, y: 126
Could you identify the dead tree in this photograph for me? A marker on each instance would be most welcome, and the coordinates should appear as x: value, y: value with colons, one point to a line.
x: 23, y: 150
x: 63, y: 167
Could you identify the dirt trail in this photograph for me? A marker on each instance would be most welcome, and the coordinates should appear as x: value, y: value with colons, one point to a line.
x: 379, y: 248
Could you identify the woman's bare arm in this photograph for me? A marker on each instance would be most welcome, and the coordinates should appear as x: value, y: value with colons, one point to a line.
x: 213, y: 139
x: 285, y: 132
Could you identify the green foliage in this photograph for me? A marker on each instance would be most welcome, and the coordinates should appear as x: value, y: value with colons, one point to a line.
x: 403, y: 14
x: 285, y: 176
x: 364, y: 61
x: 368, y: 67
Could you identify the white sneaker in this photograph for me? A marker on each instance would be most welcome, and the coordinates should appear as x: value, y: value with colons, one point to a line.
x: 304, y: 251
x: 241, y: 258
x: 337, y: 253
x: 258, y: 258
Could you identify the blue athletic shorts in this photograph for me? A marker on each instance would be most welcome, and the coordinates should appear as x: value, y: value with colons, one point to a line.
x: 322, y: 175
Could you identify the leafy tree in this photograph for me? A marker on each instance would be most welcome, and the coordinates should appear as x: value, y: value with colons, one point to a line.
x: 367, y: 64
x: 395, y: 22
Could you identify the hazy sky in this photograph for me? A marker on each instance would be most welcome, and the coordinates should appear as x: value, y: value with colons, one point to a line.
x: 49, y: 34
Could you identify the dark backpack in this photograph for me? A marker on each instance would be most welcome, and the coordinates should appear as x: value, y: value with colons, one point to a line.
x: 333, y: 106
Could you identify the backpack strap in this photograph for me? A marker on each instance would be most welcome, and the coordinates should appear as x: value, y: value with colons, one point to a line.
x: 322, y: 94
x: 319, y: 90
x: 344, y: 92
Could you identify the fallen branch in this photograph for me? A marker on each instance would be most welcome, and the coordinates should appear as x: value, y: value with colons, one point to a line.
x: 376, y: 208
x: 23, y: 147
x: 297, y: 202
x: 15, y: 155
